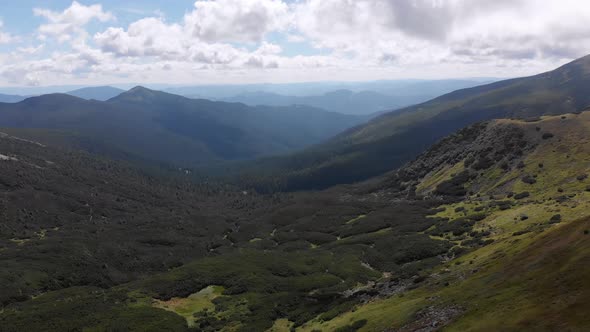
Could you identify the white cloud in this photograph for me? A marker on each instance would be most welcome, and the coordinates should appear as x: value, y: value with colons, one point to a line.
x: 295, y: 38
x: 236, y: 20
x: 147, y: 37
x: 31, y: 50
x: 202, y: 35
x: 5, y: 37
x: 152, y: 37
x: 417, y: 31
x: 237, y: 41
x: 64, y: 25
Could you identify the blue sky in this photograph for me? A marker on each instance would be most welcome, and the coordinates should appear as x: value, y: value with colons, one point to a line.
x: 18, y: 14
x: 57, y: 42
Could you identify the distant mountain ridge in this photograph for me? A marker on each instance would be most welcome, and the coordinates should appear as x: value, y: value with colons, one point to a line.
x: 342, y: 101
x: 101, y: 93
x: 392, y: 139
x: 426, y: 89
x: 10, y: 98
x: 171, y: 129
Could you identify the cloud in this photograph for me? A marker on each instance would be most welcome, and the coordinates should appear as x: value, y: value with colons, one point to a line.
x: 414, y: 31
x: 5, y: 37
x: 295, y: 38
x: 63, y: 25
x: 273, y: 40
x: 203, y: 36
x: 153, y: 37
x: 236, y: 20
x: 146, y: 37
x: 31, y: 50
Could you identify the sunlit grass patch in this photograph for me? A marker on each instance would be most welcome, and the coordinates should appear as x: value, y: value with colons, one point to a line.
x: 193, y: 304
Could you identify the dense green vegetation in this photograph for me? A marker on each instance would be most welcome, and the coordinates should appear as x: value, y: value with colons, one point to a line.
x: 107, y: 247
x: 490, y: 221
x: 74, y: 222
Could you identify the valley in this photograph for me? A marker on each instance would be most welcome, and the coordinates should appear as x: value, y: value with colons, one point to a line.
x: 380, y: 145
x: 398, y: 252
x: 294, y: 166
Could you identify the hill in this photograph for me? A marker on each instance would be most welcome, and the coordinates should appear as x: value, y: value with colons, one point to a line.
x: 164, y: 128
x: 491, y: 220
x: 392, y: 139
x: 101, y: 93
x: 10, y: 98
x: 519, y: 188
x: 341, y: 101
x: 415, y: 90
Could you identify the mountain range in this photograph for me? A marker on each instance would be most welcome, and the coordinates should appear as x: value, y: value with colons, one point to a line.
x: 469, y: 212
x: 489, y: 221
x: 342, y: 101
x: 394, y: 138
x: 343, y: 97
x: 10, y: 98
x: 155, y: 126
x: 101, y: 93
x: 402, y: 88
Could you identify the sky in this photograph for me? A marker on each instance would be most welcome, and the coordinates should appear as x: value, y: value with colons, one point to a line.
x: 59, y: 42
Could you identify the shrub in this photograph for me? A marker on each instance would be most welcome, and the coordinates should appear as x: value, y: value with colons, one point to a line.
x: 419, y: 279
x: 482, y: 163
x: 454, y: 186
x: 522, y: 195
x: 547, y: 135
x: 555, y: 219
x: 529, y: 179
x: 520, y: 232
x: 477, y: 217
x: 504, y: 205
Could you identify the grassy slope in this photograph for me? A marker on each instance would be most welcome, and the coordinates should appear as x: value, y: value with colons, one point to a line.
x: 542, y: 277
x: 534, y: 267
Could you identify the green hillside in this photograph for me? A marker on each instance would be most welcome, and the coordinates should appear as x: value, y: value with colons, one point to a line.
x: 389, y: 141
x: 531, y: 209
x: 490, y: 221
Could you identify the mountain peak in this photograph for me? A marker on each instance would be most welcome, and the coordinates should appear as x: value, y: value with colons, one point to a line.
x: 137, y: 94
x: 52, y: 99
x: 139, y: 89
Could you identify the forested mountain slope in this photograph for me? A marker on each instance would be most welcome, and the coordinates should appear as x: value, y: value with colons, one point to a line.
x: 164, y: 128
x: 392, y: 139
x: 458, y: 238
